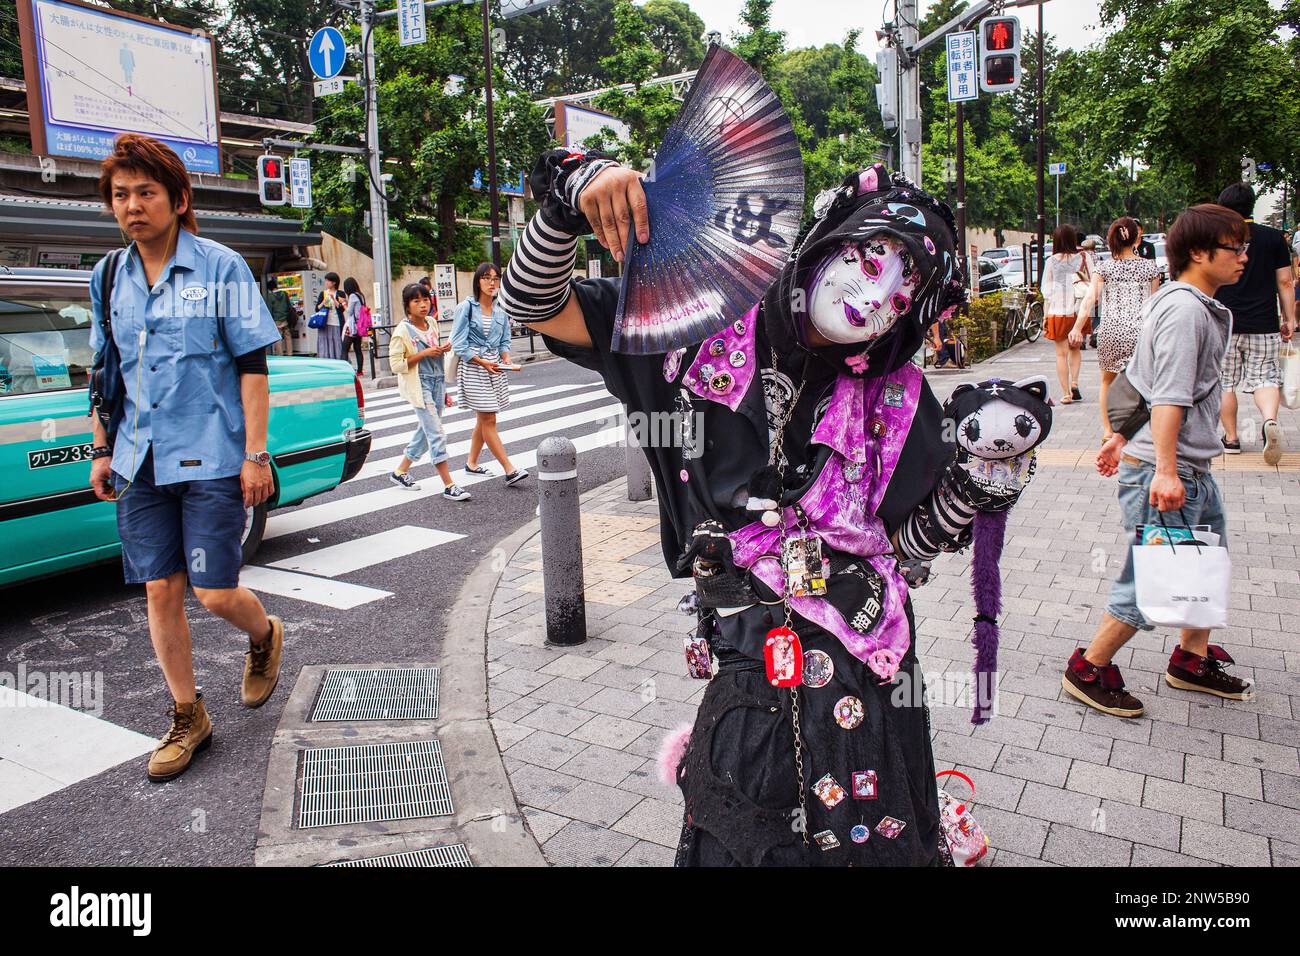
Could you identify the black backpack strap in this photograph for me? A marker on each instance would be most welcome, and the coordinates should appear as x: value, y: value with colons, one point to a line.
x: 106, y: 297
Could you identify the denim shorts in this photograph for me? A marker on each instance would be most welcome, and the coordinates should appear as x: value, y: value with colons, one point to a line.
x: 191, y: 526
x: 428, y: 435
x: 1204, y: 506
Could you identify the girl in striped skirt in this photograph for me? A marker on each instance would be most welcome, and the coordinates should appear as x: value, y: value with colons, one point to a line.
x: 480, y: 337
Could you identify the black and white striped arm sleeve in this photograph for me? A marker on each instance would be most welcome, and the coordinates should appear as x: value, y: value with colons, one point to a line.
x: 941, y: 523
x: 535, y: 286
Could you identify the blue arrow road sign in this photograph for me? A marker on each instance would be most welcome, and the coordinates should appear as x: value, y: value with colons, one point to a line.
x: 325, y: 53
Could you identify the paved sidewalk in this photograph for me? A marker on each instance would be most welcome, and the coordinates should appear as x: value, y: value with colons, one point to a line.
x: 1197, y: 782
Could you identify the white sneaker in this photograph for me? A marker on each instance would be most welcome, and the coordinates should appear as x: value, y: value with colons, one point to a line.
x: 456, y: 493
x: 404, y: 481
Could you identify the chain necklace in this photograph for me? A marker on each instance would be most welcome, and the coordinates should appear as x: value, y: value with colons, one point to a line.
x: 777, y: 458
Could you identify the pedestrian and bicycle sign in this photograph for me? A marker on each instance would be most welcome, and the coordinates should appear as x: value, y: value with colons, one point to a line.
x: 326, y: 53
x: 300, y: 183
x: 963, y: 79
x: 1056, y: 169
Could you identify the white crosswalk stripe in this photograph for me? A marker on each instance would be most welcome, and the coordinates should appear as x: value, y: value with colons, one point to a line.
x: 316, y: 574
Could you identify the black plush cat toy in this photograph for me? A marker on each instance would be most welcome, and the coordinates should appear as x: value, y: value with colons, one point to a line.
x: 998, y: 425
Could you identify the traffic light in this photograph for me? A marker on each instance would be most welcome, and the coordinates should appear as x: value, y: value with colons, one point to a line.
x: 270, y: 180
x: 999, y: 54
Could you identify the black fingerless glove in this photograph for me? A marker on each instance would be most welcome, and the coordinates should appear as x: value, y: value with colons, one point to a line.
x: 557, y: 180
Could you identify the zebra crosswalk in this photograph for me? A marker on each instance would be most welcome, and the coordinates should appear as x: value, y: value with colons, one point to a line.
x: 585, y: 412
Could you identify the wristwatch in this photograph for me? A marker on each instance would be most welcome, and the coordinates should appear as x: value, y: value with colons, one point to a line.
x: 101, y: 451
x: 258, y: 457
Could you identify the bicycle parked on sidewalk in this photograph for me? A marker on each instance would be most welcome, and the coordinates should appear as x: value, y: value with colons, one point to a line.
x: 1023, y: 316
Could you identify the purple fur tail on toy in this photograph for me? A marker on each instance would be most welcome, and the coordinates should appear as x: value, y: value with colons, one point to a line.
x: 986, y: 585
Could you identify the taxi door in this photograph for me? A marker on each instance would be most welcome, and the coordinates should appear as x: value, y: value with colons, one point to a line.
x: 50, y: 520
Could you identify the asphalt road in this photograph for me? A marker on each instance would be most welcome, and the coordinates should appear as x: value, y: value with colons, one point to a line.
x: 89, y: 621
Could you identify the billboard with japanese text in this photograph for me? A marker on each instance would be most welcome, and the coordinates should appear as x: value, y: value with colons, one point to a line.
x: 92, y: 73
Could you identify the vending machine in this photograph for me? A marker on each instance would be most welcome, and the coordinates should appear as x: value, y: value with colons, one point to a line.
x: 302, y: 288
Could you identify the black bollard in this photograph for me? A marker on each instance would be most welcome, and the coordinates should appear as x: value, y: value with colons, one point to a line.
x: 561, y: 518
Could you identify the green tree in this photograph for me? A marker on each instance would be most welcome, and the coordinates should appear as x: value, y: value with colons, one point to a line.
x: 677, y: 32
x: 648, y: 110
x: 266, y: 42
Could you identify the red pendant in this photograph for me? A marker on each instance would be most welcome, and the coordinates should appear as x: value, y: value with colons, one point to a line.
x: 783, y: 655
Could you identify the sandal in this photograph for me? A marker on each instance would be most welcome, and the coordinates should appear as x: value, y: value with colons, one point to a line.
x: 476, y: 470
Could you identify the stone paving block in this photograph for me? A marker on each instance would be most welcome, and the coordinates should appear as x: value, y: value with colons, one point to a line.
x: 620, y: 676
x: 1010, y: 730
x: 623, y: 653
x: 666, y: 713
x: 666, y: 662
x: 1285, y: 854
x: 645, y: 781
x: 1218, y: 775
x: 595, y: 803
x: 1151, y: 761
x: 607, y: 731
x: 1074, y: 743
x: 1058, y: 806
x: 563, y: 690
x: 544, y: 749
x: 648, y: 744
x: 1013, y: 832
x: 572, y: 666
x: 673, y: 686
x: 508, y: 734
x: 1139, y: 824
x: 639, y: 616
x: 518, y: 680
x: 1071, y: 846
x: 1112, y: 783
x: 1255, y: 816
x: 516, y: 710
x: 1259, y: 753
x: 1153, y: 856
x: 991, y: 789
x: 617, y: 703
x: 1007, y: 858
x: 1031, y: 765
x: 1224, y: 845
x: 629, y: 633
x: 1058, y: 713
x: 543, y: 825
x: 1183, y: 800
x: 966, y: 750
x: 644, y: 853
x: 654, y: 821
x: 581, y: 844
x: 539, y: 787
x: 1191, y: 740
x: 1136, y: 731
x: 601, y: 764
x: 1282, y: 789
x: 557, y: 718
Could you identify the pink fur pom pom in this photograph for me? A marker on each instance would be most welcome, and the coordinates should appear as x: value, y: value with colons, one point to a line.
x: 885, y: 663
x: 672, y: 751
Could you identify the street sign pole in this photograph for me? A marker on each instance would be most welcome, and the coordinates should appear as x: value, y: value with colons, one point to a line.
x: 378, y: 204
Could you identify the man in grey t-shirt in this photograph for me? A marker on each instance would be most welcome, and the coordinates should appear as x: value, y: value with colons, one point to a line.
x: 1166, y: 467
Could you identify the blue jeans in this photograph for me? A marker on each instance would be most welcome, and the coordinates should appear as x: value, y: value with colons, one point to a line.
x: 1204, y: 506
x: 428, y: 435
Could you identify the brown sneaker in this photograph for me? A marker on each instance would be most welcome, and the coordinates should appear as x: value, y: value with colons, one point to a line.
x: 1101, y: 688
x: 1187, y: 671
x: 190, y: 732
x: 262, y: 666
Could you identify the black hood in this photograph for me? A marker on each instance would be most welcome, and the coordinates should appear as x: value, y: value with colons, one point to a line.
x: 867, y: 204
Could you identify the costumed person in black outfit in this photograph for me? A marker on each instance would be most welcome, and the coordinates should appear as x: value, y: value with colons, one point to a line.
x: 809, y: 484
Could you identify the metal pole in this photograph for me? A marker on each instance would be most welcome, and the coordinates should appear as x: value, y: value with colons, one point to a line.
x: 1058, y: 199
x: 909, y: 101
x: 378, y: 205
x: 494, y: 202
x: 561, y: 520
x: 638, y: 467
x: 961, y: 183
x: 1042, y: 227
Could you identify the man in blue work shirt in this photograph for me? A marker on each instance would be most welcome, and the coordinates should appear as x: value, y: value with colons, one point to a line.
x: 189, y: 456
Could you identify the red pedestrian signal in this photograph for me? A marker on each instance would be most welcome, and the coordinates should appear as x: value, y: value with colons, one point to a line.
x: 999, y: 54
x: 270, y: 180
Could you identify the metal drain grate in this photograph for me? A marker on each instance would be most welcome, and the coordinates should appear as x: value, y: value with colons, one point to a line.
x: 394, y: 693
x: 372, y: 782
x: 456, y: 855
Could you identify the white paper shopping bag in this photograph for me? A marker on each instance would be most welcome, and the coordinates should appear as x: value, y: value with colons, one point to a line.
x: 1290, y: 361
x: 1184, y: 585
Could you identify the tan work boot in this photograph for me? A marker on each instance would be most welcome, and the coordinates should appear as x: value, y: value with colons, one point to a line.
x: 262, y: 666
x: 190, y: 732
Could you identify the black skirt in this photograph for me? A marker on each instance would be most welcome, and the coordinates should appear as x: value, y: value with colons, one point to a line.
x: 740, y: 781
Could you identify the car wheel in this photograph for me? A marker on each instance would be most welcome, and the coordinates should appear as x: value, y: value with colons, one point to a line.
x: 254, y: 528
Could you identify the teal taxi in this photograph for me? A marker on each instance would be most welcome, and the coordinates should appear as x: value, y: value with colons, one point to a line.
x: 50, y: 520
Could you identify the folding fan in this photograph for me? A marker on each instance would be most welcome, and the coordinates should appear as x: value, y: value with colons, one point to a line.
x: 724, y: 195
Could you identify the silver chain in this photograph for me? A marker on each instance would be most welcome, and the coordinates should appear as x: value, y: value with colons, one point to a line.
x: 778, y: 458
